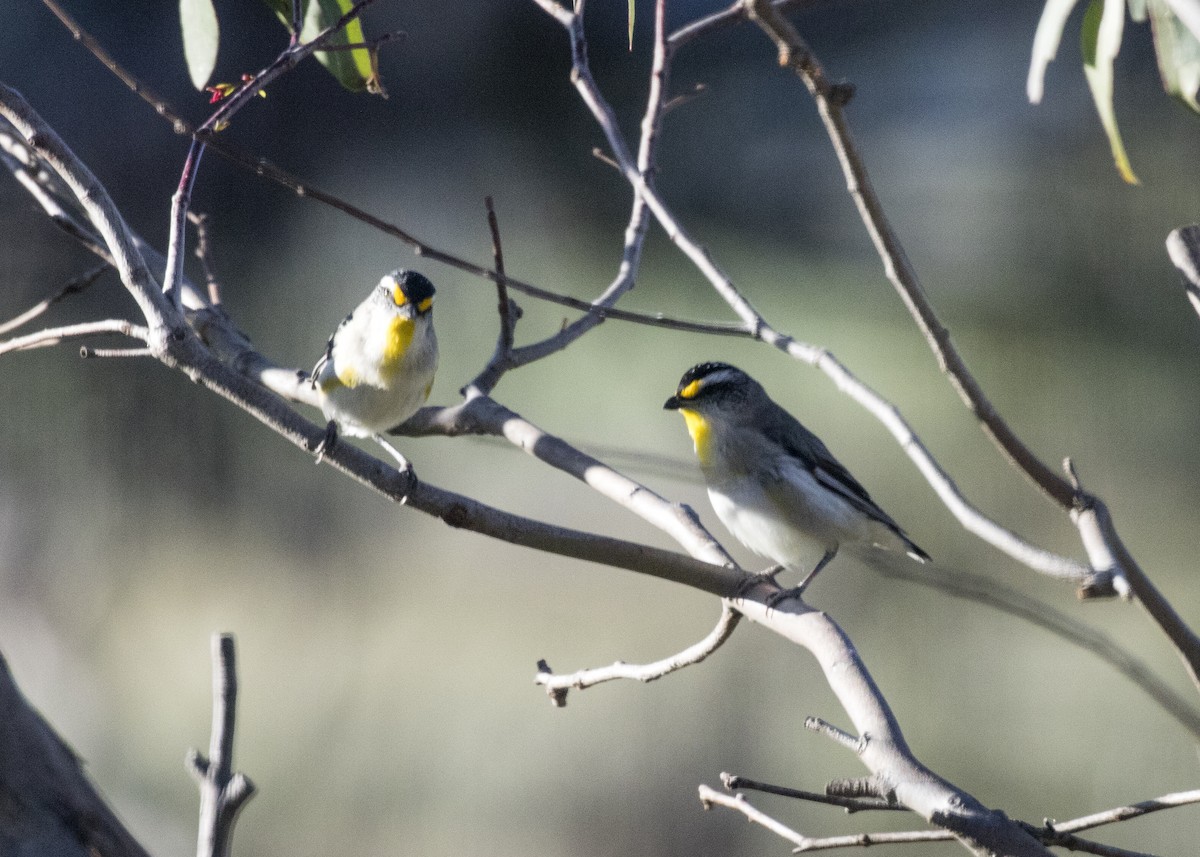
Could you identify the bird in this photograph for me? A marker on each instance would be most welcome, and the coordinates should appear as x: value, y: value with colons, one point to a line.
x: 773, y: 483
x: 379, y: 365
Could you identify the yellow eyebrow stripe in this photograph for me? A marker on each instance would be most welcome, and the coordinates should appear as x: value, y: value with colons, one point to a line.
x: 690, y: 391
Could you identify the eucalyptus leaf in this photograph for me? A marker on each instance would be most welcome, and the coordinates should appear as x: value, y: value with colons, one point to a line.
x: 1103, y: 24
x: 353, y: 69
x: 1045, y: 45
x: 201, y: 37
x: 1178, y: 54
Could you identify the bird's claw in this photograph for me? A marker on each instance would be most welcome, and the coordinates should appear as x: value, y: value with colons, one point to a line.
x: 328, y: 442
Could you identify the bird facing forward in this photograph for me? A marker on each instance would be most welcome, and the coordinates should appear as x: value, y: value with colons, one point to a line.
x: 772, y: 482
x: 379, y: 365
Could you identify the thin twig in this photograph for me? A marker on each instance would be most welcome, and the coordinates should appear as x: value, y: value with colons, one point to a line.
x: 733, y: 782
x: 1124, y: 813
x: 557, y: 685
x: 795, y: 54
x: 853, y: 743
x: 636, y: 229
x: 262, y: 167
x: 501, y: 360
x: 710, y: 797
x: 204, y: 254
x: 223, y: 792
x: 89, y: 353
x: 1072, y: 842
x: 970, y: 517
x: 73, y: 286
x: 55, y: 335
x: 100, y: 209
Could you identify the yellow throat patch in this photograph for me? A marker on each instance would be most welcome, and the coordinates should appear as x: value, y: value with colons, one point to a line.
x: 701, y: 433
x: 399, y: 337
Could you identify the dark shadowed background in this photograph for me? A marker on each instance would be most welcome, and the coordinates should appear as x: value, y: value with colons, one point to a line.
x: 388, y: 704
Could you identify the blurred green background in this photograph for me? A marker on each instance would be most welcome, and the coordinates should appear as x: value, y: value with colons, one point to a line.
x: 387, y: 661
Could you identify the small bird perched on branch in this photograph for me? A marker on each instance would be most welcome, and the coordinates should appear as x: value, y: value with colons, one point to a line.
x: 378, y: 366
x: 772, y: 482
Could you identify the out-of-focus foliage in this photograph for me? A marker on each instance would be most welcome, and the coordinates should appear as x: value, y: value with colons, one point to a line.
x: 201, y: 39
x: 1176, y: 47
x: 354, y: 68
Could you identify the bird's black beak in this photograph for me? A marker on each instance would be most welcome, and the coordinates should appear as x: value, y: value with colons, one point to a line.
x: 672, y: 404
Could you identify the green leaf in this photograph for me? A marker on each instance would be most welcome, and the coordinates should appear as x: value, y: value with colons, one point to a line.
x: 1045, y: 45
x: 631, y: 25
x: 201, y: 36
x: 1103, y: 23
x: 1178, y: 54
x: 353, y: 69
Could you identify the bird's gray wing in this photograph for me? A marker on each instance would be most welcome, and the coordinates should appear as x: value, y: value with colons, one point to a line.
x: 811, y: 451
x: 829, y: 472
x: 324, y: 359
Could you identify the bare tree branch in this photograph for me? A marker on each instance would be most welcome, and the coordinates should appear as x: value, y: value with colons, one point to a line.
x: 100, y: 209
x: 508, y: 310
x: 55, y: 335
x: 184, y: 351
x: 558, y: 685
x: 223, y: 792
x: 710, y: 797
x: 732, y: 782
x: 970, y: 517
x: 1109, y: 557
x: 50, y: 807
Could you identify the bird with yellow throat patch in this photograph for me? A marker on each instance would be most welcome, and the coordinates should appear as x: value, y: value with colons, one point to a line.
x: 773, y: 483
x: 379, y: 365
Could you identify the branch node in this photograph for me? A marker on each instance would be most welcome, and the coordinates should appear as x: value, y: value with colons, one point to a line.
x: 862, y: 787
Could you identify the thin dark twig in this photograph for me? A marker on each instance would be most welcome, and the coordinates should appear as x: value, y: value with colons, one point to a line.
x: 74, y: 286
x: 262, y: 167
x: 372, y: 45
x: 501, y: 360
x: 297, y: 20
x: 1108, y: 554
x: 507, y: 309
x: 204, y: 254
x: 850, y: 804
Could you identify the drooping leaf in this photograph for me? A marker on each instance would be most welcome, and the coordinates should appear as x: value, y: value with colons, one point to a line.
x: 1103, y: 23
x: 1045, y: 45
x: 201, y: 37
x: 353, y: 69
x: 631, y: 25
x: 1178, y: 53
